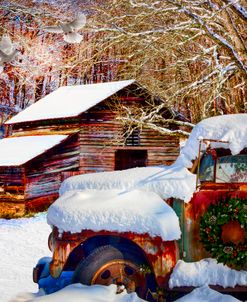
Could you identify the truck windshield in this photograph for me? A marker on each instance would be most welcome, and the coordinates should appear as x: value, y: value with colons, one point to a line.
x: 229, y: 169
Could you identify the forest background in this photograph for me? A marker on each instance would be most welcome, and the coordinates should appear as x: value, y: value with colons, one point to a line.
x: 191, y: 54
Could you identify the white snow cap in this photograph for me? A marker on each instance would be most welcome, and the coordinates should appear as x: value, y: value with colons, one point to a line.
x: 135, y: 211
x: 15, y: 151
x: 167, y: 181
x: 231, y: 128
x: 206, y: 294
x: 69, y: 101
x: 206, y: 271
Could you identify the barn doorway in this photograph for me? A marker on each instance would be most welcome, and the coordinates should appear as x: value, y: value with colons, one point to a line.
x: 125, y: 159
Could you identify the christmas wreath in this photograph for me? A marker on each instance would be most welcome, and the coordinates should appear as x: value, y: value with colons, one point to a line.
x: 223, y: 230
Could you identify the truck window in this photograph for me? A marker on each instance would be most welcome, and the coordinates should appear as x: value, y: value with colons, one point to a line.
x: 206, y: 171
x: 231, y: 169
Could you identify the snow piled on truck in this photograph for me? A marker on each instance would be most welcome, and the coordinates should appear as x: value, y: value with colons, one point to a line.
x: 231, y: 129
x: 206, y: 271
x: 175, y: 180
x: 135, y: 211
x: 167, y: 181
x: 206, y: 294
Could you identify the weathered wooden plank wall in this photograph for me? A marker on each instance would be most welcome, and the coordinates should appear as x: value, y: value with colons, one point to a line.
x: 43, y: 173
x: 35, y: 185
x: 101, y: 135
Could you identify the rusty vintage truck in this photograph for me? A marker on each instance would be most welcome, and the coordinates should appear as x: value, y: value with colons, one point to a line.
x: 213, y: 224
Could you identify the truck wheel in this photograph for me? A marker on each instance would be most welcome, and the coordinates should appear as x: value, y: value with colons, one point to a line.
x: 115, y: 265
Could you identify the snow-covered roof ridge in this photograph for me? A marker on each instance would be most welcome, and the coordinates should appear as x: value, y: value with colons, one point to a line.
x: 134, y: 211
x: 15, y: 151
x: 231, y: 128
x: 167, y: 181
x: 69, y: 101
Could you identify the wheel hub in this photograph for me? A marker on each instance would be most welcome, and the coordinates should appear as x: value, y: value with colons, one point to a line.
x: 123, y: 273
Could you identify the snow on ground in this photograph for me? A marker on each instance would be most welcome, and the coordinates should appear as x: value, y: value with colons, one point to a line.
x: 135, y: 211
x: 167, y: 181
x: 95, y: 293
x: 22, y: 243
x: 231, y: 128
x: 206, y: 271
x: 206, y: 294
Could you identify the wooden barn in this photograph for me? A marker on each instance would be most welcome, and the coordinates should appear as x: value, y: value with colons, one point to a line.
x: 30, y: 171
x: 95, y: 140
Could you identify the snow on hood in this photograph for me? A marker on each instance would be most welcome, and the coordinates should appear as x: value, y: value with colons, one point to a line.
x: 206, y: 294
x: 167, y: 181
x: 206, y: 271
x: 231, y: 128
x: 135, y: 211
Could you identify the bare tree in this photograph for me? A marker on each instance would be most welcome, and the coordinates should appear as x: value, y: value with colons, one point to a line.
x: 191, y: 53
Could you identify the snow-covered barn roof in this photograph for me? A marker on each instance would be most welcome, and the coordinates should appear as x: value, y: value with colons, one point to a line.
x: 15, y: 151
x: 69, y: 101
x: 230, y: 129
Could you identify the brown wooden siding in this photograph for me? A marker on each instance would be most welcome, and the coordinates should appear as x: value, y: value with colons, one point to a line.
x: 101, y: 135
x: 52, y: 126
x: 35, y: 185
x: 43, y: 173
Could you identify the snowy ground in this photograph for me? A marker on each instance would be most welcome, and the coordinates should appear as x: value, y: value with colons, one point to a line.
x: 24, y: 241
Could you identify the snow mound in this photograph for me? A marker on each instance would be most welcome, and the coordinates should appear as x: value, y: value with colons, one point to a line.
x: 206, y: 271
x: 99, y: 293
x: 230, y: 128
x: 167, y: 181
x: 206, y: 294
x: 93, y: 293
x: 135, y: 211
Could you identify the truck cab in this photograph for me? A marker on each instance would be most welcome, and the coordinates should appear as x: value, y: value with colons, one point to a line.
x: 221, y: 184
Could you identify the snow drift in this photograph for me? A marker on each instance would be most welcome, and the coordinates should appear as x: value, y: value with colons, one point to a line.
x: 206, y: 294
x: 135, y: 211
x: 206, y: 271
x: 167, y: 181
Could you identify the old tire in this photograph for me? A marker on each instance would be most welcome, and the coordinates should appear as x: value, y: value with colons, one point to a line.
x: 116, y: 265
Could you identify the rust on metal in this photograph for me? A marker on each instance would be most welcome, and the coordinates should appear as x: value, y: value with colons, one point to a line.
x: 209, y: 193
x: 162, y: 256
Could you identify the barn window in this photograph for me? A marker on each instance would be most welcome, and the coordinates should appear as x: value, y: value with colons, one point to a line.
x: 132, y: 138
